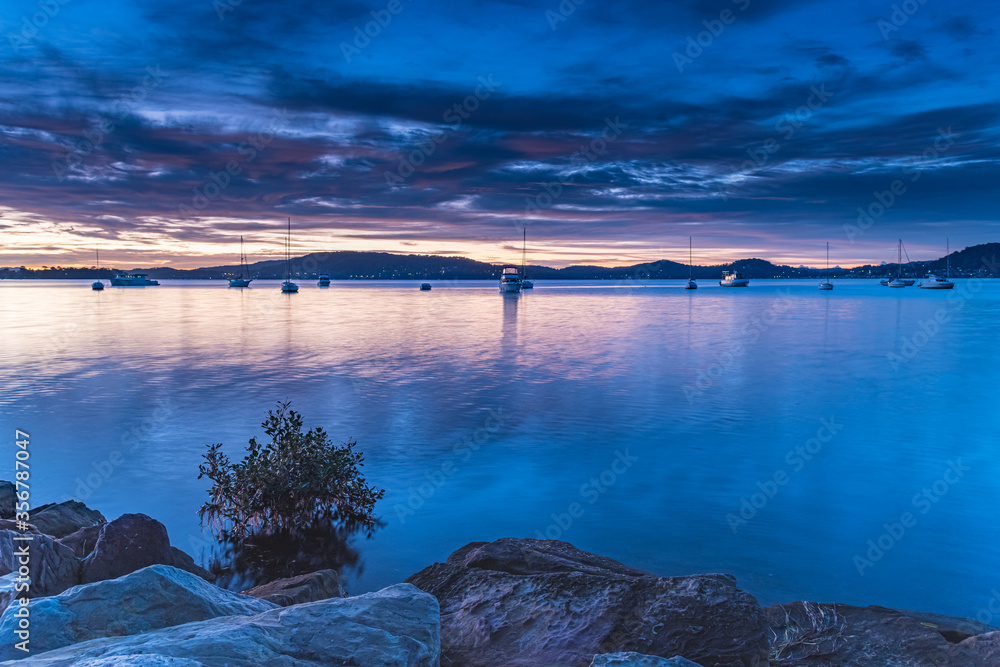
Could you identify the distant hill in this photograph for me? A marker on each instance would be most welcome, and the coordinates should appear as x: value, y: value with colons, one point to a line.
x: 977, y: 260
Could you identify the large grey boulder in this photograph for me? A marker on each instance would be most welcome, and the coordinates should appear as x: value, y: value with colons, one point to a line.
x: 62, y: 519
x: 543, y: 602
x: 320, y: 585
x: 155, y: 597
x: 808, y: 634
x: 52, y: 567
x: 395, y: 626
x: 129, y: 543
x: 986, y: 647
x: 8, y: 499
x: 632, y: 659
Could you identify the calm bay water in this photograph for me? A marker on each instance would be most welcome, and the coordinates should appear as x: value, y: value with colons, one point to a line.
x: 630, y: 419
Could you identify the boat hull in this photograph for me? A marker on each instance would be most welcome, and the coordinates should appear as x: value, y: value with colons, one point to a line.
x: 510, y: 288
x: 739, y: 282
x: 691, y: 285
x: 289, y: 287
x: 527, y: 284
x: 97, y: 286
x: 239, y: 282
x: 133, y: 282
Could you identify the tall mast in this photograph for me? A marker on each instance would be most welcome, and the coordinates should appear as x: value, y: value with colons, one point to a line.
x: 690, y: 265
x: 827, y: 260
x: 288, y: 249
x: 524, y: 252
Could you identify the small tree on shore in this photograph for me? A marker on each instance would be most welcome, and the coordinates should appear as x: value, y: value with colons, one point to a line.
x: 296, y: 482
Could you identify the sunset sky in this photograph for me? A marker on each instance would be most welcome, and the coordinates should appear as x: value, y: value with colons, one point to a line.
x: 162, y: 131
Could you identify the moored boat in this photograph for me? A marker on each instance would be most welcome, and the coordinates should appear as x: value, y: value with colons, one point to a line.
x: 288, y: 287
x: 244, y: 279
x: 937, y: 282
x: 132, y: 280
x: 826, y: 285
x: 324, y: 280
x: 733, y: 279
x: 97, y: 285
x: 510, y: 280
x: 691, y: 284
x: 425, y: 287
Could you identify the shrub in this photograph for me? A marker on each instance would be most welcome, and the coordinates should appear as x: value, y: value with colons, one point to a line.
x: 298, y: 481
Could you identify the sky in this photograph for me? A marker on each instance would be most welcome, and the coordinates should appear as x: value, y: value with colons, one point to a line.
x: 611, y: 131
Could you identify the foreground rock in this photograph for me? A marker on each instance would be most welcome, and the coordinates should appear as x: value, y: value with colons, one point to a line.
x: 320, y: 585
x: 8, y: 499
x: 52, y: 567
x: 807, y: 634
x: 639, y: 660
x: 152, y: 598
x: 544, y: 602
x: 395, y: 626
x: 82, y: 541
x: 62, y: 519
x: 129, y: 543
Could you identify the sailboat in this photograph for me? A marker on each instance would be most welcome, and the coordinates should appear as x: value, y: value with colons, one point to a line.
x: 97, y: 285
x: 937, y: 282
x: 525, y: 283
x: 691, y: 284
x: 899, y: 281
x: 244, y: 279
x: 826, y: 284
x: 288, y: 287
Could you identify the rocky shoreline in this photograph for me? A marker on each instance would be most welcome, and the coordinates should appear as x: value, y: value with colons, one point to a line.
x: 118, y: 593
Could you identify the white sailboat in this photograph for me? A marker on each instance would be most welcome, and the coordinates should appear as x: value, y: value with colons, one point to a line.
x: 937, y: 282
x: 691, y: 284
x: 525, y: 283
x: 97, y: 285
x: 900, y: 281
x: 826, y: 284
x: 288, y: 287
x: 244, y: 279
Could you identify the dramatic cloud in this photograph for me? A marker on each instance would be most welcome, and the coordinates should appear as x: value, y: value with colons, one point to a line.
x: 612, y: 130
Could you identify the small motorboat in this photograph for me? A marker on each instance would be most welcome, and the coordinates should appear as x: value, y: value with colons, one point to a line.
x: 510, y: 280
x: 324, y: 280
x: 733, y: 279
x: 132, y: 280
x: 425, y: 287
